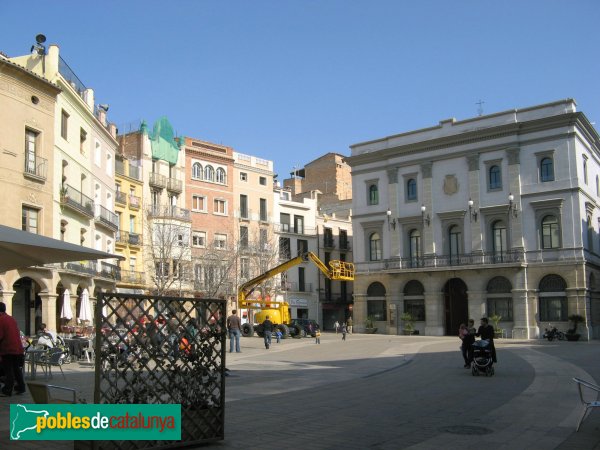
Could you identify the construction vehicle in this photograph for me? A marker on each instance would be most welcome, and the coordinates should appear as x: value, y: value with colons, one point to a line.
x: 278, y: 311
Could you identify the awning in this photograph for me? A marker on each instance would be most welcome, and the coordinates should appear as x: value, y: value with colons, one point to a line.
x: 20, y: 249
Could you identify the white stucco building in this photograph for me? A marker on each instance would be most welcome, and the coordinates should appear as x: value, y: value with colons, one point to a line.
x: 497, y: 214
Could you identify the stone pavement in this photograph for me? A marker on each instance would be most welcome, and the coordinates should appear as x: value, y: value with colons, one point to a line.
x: 391, y: 392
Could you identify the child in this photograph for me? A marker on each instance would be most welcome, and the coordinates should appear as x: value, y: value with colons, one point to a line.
x: 318, y: 336
x: 278, y: 336
x: 344, y: 331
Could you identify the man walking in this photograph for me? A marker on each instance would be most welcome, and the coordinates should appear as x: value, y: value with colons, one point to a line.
x: 234, y: 326
x: 267, y: 330
x: 11, y: 352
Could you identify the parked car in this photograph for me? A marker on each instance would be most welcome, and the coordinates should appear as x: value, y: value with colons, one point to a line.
x: 306, y: 325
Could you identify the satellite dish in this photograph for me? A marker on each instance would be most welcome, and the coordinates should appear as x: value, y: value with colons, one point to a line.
x: 40, y: 39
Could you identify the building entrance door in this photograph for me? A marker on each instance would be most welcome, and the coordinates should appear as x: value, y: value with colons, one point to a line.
x: 455, y: 305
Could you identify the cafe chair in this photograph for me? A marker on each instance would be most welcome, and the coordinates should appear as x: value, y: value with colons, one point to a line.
x: 49, y: 393
x: 54, y: 358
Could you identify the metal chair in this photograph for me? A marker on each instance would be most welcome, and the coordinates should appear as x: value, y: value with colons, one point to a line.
x: 43, y: 393
x: 55, y: 357
x: 586, y: 404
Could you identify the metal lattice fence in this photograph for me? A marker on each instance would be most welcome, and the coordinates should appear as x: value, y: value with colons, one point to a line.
x: 157, y: 350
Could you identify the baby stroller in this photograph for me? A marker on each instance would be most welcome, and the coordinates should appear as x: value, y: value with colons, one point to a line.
x: 482, y: 361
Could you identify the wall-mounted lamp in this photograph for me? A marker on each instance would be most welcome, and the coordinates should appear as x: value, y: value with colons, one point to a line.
x: 426, y: 219
x: 38, y: 48
x: 472, y: 212
x: 512, y: 206
x: 391, y: 222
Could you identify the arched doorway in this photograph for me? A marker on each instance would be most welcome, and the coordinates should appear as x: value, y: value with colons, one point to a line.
x: 27, y: 305
x: 456, y: 305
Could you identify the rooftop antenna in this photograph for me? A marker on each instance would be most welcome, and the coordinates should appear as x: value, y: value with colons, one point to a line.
x: 39, y: 49
x: 480, y: 107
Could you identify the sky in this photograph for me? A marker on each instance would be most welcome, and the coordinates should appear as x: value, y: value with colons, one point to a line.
x: 292, y: 80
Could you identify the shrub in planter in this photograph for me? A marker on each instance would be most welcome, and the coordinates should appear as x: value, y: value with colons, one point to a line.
x: 571, y: 333
x: 409, y: 323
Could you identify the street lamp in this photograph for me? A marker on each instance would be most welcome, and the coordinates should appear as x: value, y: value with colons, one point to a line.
x: 426, y: 219
x: 391, y: 222
x: 512, y: 206
x: 472, y: 212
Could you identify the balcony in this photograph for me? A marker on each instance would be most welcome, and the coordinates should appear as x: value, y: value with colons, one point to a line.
x: 135, y: 239
x: 121, y: 198
x: 174, y: 185
x: 122, y: 237
x: 106, y: 218
x: 132, y: 277
x: 433, y: 262
x: 111, y: 271
x: 328, y: 242
x: 72, y: 199
x: 158, y: 181
x: 134, y: 202
x: 170, y: 212
x: 35, y: 167
x: 344, y: 244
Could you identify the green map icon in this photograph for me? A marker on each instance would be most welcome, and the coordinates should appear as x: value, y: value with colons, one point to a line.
x: 24, y: 420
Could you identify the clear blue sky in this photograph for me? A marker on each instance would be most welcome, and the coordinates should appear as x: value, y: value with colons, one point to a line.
x: 291, y: 80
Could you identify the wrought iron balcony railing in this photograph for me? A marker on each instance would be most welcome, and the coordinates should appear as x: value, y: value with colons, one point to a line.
x: 121, y: 197
x: 106, y: 217
x: 72, y: 198
x: 36, y: 167
x: 157, y: 180
x: 132, y: 277
x: 174, y: 185
x: 170, y: 212
x: 122, y: 237
x: 135, y: 239
x: 134, y: 202
x: 328, y: 242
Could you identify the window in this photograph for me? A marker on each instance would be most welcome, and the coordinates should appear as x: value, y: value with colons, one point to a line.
x: 302, y: 246
x: 29, y: 220
x: 590, y: 234
x: 414, y: 248
x: 411, y: 189
x: 299, y: 224
x: 495, y: 181
x: 82, y: 140
x: 344, y: 244
x: 263, y: 209
x: 597, y: 186
x: 97, y: 154
x: 243, y: 206
x: 245, y: 268
x: 109, y: 165
x: 199, y: 239
x: 328, y: 237
x: 301, y: 280
x: 553, y: 300
x: 221, y: 177
x: 162, y: 269
x: 285, y: 251
x: 220, y: 206
x: 499, y: 241
x: 454, y: 238
x: 31, y: 139
x: 197, y: 171
x: 550, y: 232
x: 499, y: 298
x: 262, y: 181
x: 181, y: 240
x: 284, y: 220
x: 585, y: 170
x: 263, y: 240
x: 220, y: 241
x: 131, y: 224
x: 209, y: 173
x: 244, y: 237
x: 199, y: 203
x: 416, y: 308
x: 177, y: 272
x: 374, y: 247
x: 64, y: 124
x: 547, y: 169
x: 373, y: 195
x: 243, y: 176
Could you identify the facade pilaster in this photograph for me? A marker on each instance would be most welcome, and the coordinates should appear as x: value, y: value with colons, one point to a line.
x: 514, y: 183
x: 428, y: 242
x: 359, y: 313
x: 434, y: 313
x: 49, y: 310
x: 7, y: 298
x: 474, y: 194
x: 392, y: 175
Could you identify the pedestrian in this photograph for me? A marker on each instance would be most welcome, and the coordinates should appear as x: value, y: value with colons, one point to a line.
x: 486, y: 331
x: 317, y: 336
x: 267, y: 330
x: 278, y: 335
x: 469, y: 341
x: 337, y: 326
x: 11, y: 352
x: 349, y: 328
x: 344, y: 330
x: 234, y: 325
x: 463, y: 332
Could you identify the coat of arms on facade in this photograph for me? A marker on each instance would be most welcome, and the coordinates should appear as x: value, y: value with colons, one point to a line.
x: 450, y: 185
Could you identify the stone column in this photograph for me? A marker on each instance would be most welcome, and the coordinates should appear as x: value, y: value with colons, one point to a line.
x: 394, y: 231
x: 395, y: 308
x: 576, y: 304
x: 514, y: 184
x: 427, y: 200
x: 434, y: 314
x: 7, y: 298
x: 474, y: 194
x: 477, y: 306
x: 359, y: 313
x: 49, y: 310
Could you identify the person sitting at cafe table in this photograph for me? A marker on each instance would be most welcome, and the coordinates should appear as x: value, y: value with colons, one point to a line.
x: 46, y: 337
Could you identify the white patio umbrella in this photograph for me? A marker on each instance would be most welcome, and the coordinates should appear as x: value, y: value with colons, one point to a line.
x: 66, y: 312
x: 85, y: 309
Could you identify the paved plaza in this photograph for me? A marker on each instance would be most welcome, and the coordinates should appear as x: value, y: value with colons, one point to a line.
x: 390, y: 392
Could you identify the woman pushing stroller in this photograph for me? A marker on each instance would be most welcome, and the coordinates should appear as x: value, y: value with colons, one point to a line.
x: 486, y: 332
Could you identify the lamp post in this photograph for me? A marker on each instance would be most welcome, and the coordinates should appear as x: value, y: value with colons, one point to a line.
x: 392, y: 222
x: 472, y: 212
x: 426, y: 219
